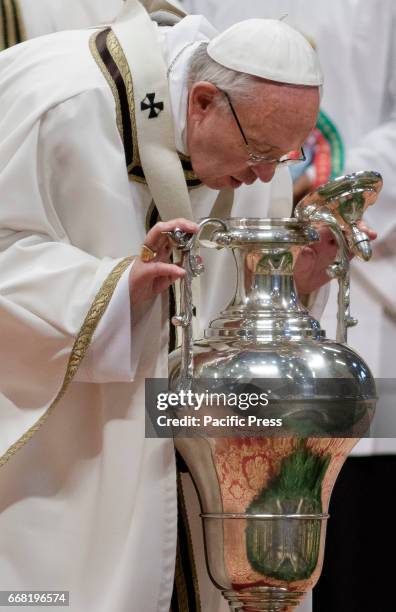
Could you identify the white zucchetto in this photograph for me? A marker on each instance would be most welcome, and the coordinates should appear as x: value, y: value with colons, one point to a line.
x: 270, y: 49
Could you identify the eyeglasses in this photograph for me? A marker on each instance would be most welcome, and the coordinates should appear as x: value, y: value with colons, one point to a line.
x: 294, y: 157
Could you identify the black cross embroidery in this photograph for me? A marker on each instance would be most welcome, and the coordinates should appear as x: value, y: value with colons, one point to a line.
x: 154, y: 107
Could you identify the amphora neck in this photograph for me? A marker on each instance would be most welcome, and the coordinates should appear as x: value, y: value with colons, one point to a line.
x: 265, y: 306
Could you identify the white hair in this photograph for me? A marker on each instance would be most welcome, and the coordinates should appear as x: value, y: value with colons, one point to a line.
x: 202, y: 67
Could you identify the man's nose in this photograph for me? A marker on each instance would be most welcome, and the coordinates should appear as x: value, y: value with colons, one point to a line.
x: 264, y: 171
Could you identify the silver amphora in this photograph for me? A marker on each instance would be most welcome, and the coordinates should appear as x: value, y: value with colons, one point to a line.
x: 264, y: 498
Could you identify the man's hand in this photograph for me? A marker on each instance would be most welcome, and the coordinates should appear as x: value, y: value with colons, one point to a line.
x: 311, y: 265
x: 148, y: 279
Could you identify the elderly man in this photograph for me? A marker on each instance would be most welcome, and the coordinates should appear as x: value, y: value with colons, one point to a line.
x: 94, y: 125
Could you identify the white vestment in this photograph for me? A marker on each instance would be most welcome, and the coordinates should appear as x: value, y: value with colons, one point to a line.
x: 87, y: 503
x: 88, y: 499
x: 24, y: 19
x: 46, y: 16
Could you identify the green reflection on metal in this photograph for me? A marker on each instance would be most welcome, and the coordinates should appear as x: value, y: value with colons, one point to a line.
x: 288, y: 549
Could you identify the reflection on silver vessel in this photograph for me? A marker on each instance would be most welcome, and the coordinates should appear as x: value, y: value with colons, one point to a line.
x: 264, y: 499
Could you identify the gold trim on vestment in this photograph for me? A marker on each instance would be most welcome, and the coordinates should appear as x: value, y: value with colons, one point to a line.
x: 152, y: 6
x: 12, y: 28
x: 119, y: 58
x: 80, y: 347
x: 110, y: 81
x: 118, y: 76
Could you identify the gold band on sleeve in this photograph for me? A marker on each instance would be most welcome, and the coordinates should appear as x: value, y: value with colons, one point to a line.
x: 80, y: 347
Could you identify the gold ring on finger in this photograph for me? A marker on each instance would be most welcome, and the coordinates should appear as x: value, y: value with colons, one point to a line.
x: 147, y: 254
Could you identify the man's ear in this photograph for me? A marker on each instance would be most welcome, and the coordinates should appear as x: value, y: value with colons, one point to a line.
x: 201, y: 99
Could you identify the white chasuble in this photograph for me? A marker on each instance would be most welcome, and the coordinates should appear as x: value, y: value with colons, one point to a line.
x: 87, y: 504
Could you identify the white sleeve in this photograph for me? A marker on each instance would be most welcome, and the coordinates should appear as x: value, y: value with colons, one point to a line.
x: 376, y: 151
x: 118, y: 341
x: 55, y: 281
x: 47, y: 16
x: 116, y: 346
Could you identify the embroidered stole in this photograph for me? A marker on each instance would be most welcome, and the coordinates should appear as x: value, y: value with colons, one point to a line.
x: 111, y: 60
